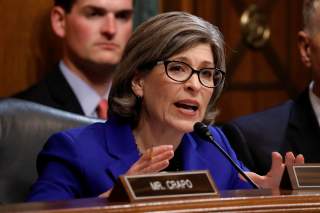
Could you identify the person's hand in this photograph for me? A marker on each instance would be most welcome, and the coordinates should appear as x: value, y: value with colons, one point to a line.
x: 106, y: 194
x: 153, y: 160
x: 273, y: 178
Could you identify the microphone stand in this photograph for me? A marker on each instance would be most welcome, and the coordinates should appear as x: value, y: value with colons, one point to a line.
x: 203, y: 131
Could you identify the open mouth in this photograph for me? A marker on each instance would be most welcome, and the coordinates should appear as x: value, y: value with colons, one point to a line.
x: 187, y: 106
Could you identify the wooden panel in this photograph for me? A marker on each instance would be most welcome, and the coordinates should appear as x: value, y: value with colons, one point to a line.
x: 27, y: 45
x: 28, y: 50
x: 182, y: 5
x: 256, y: 78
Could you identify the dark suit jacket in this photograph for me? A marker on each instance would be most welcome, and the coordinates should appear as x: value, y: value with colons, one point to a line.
x: 291, y: 126
x: 53, y: 91
x: 86, y: 162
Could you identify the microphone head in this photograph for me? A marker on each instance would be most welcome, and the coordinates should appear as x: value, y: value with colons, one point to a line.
x: 202, y: 131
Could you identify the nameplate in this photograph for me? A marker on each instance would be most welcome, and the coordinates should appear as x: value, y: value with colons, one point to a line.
x: 165, y: 185
x: 304, y: 176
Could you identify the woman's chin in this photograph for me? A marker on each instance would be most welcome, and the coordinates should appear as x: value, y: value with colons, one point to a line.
x: 184, y: 126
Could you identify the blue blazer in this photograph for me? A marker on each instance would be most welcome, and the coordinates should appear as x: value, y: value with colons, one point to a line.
x: 86, y: 162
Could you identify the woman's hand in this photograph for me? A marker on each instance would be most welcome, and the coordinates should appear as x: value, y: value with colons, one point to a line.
x: 106, y: 194
x: 273, y: 178
x: 153, y: 160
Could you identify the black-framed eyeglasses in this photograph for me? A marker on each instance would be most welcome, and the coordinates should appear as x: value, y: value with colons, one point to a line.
x: 181, y: 72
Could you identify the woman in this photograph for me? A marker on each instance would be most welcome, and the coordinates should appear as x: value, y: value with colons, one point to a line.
x: 170, y: 77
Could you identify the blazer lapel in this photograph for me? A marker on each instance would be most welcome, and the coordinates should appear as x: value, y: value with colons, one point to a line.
x: 191, y: 154
x: 121, y: 145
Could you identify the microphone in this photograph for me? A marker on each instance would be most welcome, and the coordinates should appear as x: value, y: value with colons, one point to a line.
x: 203, y: 132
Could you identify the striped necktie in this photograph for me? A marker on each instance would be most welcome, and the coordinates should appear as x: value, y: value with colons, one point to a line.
x: 102, y: 109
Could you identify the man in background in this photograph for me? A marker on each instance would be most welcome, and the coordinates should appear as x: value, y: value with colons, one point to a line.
x: 292, y: 126
x: 94, y: 34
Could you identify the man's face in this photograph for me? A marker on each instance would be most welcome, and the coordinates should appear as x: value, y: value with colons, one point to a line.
x: 315, y: 54
x: 309, y: 46
x: 96, y: 31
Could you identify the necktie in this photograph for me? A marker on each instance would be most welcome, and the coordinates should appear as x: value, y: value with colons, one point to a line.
x: 102, y: 109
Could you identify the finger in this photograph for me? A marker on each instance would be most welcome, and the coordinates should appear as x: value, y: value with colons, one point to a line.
x: 299, y: 159
x: 289, y: 158
x: 154, y: 151
x: 135, y: 168
x: 257, y: 179
x: 251, y: 175
x: 148, y: 167
x: 152, y: 156
x: 139, y: 165
x: 106, y: 194
x: 158, y: 162
x: 276, y: 163
x: 155, y: 167
x: 167, y: 155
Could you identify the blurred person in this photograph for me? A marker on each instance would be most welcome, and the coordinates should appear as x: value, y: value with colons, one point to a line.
x: 170, y: 77
x: 293, y: 125
x: 94, y: 34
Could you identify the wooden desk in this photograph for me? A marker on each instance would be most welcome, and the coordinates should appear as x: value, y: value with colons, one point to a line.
x: 230, y: 201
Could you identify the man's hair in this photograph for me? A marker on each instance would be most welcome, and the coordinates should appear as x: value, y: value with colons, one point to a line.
x: 309, y: 13
x: 65, y: 4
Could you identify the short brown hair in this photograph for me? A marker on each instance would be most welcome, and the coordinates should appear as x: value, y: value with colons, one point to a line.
x: 65, y: 4
x: 155, y: 40
x: 309, y: 11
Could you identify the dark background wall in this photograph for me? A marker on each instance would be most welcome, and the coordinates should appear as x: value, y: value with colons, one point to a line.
x: 257, y: 78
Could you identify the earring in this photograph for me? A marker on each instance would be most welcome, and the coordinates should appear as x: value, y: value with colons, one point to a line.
x: 139, y: 98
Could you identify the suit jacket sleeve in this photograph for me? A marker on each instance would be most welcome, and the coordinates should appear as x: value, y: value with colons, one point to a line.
x: 59, y: 170
x: 70, y: 167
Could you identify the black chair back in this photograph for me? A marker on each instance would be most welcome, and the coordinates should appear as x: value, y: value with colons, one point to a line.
x: 24, y: 128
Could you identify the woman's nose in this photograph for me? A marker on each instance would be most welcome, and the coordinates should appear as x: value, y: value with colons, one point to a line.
x: 193, y: 82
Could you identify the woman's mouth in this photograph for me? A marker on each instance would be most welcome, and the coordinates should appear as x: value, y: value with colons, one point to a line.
x: 187, y: 106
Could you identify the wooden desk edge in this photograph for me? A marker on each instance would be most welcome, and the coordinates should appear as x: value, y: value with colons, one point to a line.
x: 239, y: 200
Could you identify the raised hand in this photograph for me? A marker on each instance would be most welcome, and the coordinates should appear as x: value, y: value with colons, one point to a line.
x: 273, y: 178
x: 153, y: 160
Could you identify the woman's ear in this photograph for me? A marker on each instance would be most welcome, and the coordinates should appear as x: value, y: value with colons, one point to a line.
x: 137, y: 85
x: 58, y: 21
x: 304, y: 44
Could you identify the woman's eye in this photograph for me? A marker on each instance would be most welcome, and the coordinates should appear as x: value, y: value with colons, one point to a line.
x: 176, y: 68
x: 207, y: 73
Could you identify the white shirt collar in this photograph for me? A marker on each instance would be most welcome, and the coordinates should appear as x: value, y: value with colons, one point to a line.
x: 86, y: 95
x: 315, y: 102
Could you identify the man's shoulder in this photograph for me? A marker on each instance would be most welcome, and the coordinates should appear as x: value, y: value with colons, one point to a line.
x: 42, y: 89
x: 273, y: 114
x: 53, y: 91
x: 268, y: 122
